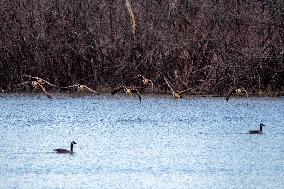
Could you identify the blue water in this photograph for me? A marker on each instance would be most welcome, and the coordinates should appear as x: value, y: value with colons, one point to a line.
x: 158, y: 143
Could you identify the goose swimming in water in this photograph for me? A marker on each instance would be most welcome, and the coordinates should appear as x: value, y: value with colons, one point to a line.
x: 65, y: 151
x: 127, y: 91
x: 176, y: 94
x: 257, y: 131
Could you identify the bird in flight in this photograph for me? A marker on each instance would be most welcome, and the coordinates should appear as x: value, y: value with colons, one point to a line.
x: 239, y: 92
x: 145, y: 81
x: 39, y: 80
x: 81, y: 88
x: 36, y: 85
x: 127, y: 91
x: 176, y: 94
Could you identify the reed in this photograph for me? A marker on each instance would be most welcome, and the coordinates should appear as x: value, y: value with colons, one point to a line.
x: 197, y: 45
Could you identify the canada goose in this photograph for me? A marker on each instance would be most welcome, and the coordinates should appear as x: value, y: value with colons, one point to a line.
x: 238, y: 92
x: 176, y: 94
x: 36, y: 85
x: 128, y: 91
x: 145, y: 81
x: 65, y: 151
x: 82, y: 88
x: 257, y: 131
x: 39, y: 80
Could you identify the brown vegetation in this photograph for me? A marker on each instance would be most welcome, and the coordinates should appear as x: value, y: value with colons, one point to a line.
x: 210, y: 46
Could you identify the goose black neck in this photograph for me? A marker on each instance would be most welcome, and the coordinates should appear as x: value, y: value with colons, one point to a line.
x: 260, y: 128
x: 71, y: 147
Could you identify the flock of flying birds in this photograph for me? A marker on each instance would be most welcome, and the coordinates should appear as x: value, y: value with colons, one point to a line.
x: 39, y: 84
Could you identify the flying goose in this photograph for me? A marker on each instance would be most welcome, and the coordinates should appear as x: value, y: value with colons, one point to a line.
x: 82, y: 88
x: 145, y: 81
x: 127, y: 91
x: 257, y: 131
x: 65, y: 151
x: 239, y: 92
x: 176, y: 94
x: 39, y: 80
x: 37, y: 86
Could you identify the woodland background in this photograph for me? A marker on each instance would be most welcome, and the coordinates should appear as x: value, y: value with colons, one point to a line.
x: 207, y: 45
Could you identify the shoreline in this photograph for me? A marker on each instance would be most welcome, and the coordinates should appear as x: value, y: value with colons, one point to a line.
x: 69, y: 94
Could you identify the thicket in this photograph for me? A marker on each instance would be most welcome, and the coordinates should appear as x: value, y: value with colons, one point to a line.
x: 208, y: 45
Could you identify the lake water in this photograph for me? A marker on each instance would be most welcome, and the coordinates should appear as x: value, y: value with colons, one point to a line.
x: 158, y: 143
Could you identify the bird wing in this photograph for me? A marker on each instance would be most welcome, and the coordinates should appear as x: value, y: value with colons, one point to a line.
x: 26, y: 75
x: 71, y: 86
x: 151, y: 83
x: 32, y: 77
x: 139, y: 96
x: 140, y: 77
x: 116, y: 90
x: 24, y: 83
x: 137, y: 92
x: 60, y: 150
x: 169, y: 85
x: 37, y: 78
x: 254, y: 131
x: 231, y: 91
x: 184, y: 91
x: 245, y: 91
x: 44, y: 91
x: 48, y: 83
x: 89, y: 89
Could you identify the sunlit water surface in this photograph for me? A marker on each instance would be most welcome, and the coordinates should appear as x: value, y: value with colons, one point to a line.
x: 158, y: 143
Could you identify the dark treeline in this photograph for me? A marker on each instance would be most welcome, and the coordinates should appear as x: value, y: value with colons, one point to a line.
x: 207, y: 45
